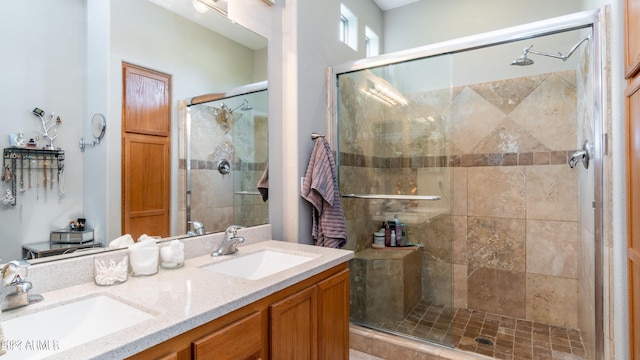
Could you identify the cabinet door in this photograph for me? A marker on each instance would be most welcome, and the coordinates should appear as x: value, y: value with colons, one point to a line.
x: 333, y: 317
x: 293, y: 326
x: 241, y: 340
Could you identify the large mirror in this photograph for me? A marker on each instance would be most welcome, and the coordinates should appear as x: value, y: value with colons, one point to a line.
x: 66, y: 58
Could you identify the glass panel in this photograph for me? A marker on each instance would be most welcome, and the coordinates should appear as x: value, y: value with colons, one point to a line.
x: 229, y: 155
x: 394, y: 140
x: 507, y: 253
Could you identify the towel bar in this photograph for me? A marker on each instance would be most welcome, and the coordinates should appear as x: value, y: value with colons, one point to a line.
x: 393, y: 197
x: 247, y: 193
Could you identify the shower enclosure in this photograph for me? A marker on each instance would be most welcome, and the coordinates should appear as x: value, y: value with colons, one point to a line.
x: 467, y: 156
x: 223, y: 156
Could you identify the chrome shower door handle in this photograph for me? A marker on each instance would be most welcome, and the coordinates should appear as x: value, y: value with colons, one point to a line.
x: 583, y: 155
x: 577, y: 156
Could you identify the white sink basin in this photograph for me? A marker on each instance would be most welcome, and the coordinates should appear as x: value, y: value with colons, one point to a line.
x: 257, y: 265
x: 60, y: 328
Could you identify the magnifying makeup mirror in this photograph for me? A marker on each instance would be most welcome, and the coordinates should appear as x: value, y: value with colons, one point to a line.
x: 98, y: 127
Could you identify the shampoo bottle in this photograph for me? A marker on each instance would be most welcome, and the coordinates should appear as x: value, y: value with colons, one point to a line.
x: 398, y: 231
x: 387, y: 235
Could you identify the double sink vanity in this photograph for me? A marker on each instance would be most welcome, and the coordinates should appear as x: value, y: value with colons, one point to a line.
x: 271, y: 299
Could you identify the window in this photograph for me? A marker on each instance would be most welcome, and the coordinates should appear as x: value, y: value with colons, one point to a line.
x: 344, y: 29
x: 371, y: 42
x: 367, y: 46
x: 348, y: 27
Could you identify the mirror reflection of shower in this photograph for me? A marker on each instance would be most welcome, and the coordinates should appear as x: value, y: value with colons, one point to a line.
x: 523, y: 60
x: 226, y: 153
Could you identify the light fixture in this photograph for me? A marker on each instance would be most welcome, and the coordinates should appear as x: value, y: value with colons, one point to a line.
x: 200, y: 7
x: 219, y: 6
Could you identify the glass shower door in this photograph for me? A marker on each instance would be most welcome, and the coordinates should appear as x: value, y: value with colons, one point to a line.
x: 394, y: 147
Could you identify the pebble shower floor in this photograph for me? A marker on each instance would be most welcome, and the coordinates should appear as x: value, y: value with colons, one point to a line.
x: 492, y: 335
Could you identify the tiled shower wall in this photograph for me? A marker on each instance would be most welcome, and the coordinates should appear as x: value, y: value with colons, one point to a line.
x: 508, y: 240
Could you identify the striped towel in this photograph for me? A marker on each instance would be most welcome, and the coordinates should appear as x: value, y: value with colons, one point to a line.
x: 320, y: 188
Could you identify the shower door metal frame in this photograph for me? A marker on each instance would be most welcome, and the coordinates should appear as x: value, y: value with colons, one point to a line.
x: 593, y: 19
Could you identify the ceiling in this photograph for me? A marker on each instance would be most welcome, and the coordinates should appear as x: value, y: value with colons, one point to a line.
x: 385, y: 5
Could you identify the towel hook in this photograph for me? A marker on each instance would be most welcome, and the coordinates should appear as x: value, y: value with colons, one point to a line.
x: 316, y: 135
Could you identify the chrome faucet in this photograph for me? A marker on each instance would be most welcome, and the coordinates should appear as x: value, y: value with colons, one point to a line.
x: 198, y: 229
x: 14, y: 273
x: 229, y: 242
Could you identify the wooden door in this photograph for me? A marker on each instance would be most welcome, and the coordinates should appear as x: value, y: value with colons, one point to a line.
x: 333, y: 317
x: 146, y: 146
x: 293, y: 326
x: 633, y: 211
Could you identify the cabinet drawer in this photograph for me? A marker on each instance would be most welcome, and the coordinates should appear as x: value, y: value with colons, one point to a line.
x: 239, y: 340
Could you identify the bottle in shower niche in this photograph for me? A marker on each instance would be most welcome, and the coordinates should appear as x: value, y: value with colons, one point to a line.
x: 403, y: 231
x: 393, y: 238
x: 387, y: 235
x: 398, y: 227
x: 378, y: 239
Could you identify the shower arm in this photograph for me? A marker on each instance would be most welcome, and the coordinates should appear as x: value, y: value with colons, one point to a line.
x: 559, y: 55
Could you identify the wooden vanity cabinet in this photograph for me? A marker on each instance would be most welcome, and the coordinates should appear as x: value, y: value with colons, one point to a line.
x: 308, y: 320
x: 241, y: 339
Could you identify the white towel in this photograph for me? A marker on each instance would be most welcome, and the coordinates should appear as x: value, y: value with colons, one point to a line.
x: 320, y: 188
x: 122, y: 241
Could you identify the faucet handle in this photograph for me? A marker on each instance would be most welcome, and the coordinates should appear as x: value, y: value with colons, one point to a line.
x: 14, y: 272
x: 233, y: 229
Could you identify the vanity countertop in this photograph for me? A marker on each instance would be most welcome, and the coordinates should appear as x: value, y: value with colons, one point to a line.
x: 184, y: 298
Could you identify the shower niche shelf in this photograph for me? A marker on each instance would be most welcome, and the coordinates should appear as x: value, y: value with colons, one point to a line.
x: 29, y: 168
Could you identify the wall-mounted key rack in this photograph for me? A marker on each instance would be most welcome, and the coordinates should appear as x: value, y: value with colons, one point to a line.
x: 28, y: 169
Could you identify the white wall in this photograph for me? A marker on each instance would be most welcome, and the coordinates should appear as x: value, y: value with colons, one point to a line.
x: 432, y: 21
x: 41, y: 66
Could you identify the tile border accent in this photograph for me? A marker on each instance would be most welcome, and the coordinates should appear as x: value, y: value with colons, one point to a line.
x: 212, y: 165
x: 465, y: 160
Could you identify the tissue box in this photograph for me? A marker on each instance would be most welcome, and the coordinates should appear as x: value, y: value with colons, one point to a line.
x: 71, y: 237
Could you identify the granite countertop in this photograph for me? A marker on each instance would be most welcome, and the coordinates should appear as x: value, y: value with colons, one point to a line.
x: 184, y: 298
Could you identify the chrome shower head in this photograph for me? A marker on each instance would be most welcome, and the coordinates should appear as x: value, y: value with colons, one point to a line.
x: 523, y: 60
x: 246, y: 106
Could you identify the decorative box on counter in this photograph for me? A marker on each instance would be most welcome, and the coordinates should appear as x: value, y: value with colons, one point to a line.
x: 71, y: 236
